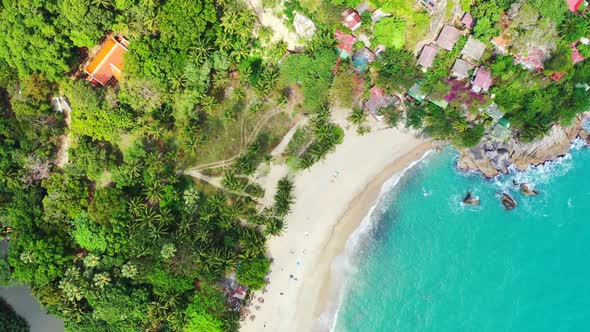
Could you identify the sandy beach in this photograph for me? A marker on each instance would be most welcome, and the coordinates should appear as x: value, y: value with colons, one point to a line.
x: 331, y: 200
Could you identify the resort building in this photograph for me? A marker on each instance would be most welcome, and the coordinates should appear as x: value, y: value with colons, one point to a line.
x: 361, y: 59
x: 448, y: 36
x: 494, y: 112
x: 345, y: 44
x: 467, y: 20
x: 351, y: 19
x: 376, y: 101
x: 107, y: 64
x: 473, y: 49
x: 416, y: 93
x: 577, y: 6
x: 427, y: 5
x: 533, y: 60
x: 501, y: 43
x: 427, y: 56
x: 482, y: 80
x: 501, y: 130
x: 460, y: 69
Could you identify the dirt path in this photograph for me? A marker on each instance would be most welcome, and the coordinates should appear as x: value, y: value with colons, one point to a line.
x: 214, y: 181
x: 62, y: 157
x: 280, y: 148
x: 267, y: 18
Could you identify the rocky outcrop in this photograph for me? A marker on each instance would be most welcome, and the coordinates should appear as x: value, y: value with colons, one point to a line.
x: 525, y: 190
x: 508, y: 202
x: 491, y: 157
x: 470, y: 199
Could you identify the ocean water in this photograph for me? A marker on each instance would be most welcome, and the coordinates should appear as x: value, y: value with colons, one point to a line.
x: 423, y: 261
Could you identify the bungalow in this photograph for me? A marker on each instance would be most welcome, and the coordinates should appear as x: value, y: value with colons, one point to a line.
x: 376, y: 101
x: 351, y: 19
x: 467, y: 20
x: 108, y: 62
x: 482, y: 80
x: 427, y: 56
x: 460, y: 69
x: 416, y: 93
x: 448, y: 36
x: 361, y: 58
x: 577, y: 6
x: 345, y: 43
x: 576, y: 55
x: 501, y: 130
x: 533, y: 60
x: 427, y: 5
x: 502, y: 43
x: 473, y: 49
x: 494, y: 112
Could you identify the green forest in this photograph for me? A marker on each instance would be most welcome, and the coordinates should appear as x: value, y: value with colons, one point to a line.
x: 119, y: 238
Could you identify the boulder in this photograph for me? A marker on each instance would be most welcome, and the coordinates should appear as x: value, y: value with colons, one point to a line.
x: 470, y: 199
x: 508, y: 202
x: 525, y: 190
x: 583, y: 134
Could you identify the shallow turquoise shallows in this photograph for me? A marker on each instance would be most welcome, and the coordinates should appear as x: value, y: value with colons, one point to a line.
x: 429, y: 263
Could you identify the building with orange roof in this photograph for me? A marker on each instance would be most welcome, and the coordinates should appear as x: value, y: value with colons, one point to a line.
x: 108, y: 62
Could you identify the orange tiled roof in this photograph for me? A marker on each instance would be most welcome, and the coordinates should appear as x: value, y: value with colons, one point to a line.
x: 108, y: 62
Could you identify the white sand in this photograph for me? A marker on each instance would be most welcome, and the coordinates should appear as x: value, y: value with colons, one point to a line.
x: 331, y: 200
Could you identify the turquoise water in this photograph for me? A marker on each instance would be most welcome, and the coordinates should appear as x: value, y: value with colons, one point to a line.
x: 428, y: 263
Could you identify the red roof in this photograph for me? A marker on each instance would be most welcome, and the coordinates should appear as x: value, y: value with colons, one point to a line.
x: 557, y: 76
x: 576, y: 55
x: 351, y: 19
x: 345, y: 43
x: 377, y: 100
x: 483, y: 79
x: 533, y: 60
x: 108, y: 62
x: 574, y: 5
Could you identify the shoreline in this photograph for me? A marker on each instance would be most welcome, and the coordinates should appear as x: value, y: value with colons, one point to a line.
x: 357, y: 211
x: 331, y: 200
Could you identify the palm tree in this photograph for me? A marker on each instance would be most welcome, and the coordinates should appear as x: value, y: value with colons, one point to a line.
x: 157, y: 231
x: 147, y: 216
x: 191, y: 145
x: 154, y: 192
x: 245, y: 165
x: 357, y: 116
x: 178, y: 82
x: 306, y: 161
x: 231, y: 182
x: 223, y: 42
x: 202, y: 50
x: 136, y: 206
x: 208, y: 103
x: 275, y: 226
x: 106, y: 4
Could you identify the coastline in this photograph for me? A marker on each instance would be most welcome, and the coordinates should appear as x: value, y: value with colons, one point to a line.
x: 358, y: 212
x: 332, y: 198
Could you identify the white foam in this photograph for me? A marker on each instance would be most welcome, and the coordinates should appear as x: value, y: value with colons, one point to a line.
x: 344, y: 266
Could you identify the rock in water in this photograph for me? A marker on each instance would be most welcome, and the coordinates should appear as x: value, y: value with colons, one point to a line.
x: 508, y: 202
x: 525, y: 190
x: 470, y: 199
